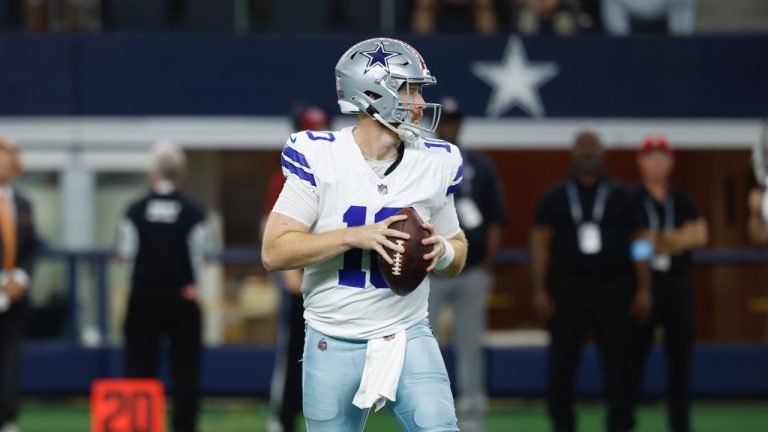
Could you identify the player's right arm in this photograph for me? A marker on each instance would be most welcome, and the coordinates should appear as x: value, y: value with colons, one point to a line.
x: 288, y: 241
x: 288, y: 244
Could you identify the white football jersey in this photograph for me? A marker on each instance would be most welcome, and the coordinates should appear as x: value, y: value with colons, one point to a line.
x: 346, y: 296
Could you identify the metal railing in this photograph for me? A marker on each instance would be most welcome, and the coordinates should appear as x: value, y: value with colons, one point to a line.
x: 99, y: 261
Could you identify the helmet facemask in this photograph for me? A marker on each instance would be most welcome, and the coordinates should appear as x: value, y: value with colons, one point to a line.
x: 395, y: 110
x: 403, y: 111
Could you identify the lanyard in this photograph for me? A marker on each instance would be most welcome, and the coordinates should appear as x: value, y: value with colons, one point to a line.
x: 653, y: 216
x: 577, y: 213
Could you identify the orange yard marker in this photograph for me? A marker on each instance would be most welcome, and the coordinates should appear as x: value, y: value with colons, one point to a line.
x: 127, y: 405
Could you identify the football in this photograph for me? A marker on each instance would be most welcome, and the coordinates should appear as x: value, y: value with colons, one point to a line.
x: 409, y: 268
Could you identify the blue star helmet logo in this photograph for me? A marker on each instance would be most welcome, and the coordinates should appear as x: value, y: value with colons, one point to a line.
x: 379, y: 57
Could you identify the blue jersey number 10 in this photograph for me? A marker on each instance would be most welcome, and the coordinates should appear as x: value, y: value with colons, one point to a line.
x: 352, y: 273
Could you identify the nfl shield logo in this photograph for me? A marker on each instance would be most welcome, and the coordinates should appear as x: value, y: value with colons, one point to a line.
x: 383, y: 189
x: 322, y: 345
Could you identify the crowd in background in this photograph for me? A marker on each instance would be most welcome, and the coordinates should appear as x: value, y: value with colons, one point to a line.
x: 560, y: 17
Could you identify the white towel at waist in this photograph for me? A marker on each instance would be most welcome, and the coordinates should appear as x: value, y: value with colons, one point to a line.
x: 384, y: 358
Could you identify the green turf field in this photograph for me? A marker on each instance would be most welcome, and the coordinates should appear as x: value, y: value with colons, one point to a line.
x: 505, y: 416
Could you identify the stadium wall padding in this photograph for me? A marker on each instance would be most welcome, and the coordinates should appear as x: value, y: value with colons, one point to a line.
x: 197, y: 74
x: 718, y: 371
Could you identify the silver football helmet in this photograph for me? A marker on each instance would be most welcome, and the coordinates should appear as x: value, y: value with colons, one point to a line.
x: 369, y: 77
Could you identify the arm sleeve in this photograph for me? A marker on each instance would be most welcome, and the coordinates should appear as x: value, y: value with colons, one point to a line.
x: 445, y: 220
x: 298, y: 201
x: 127, y: 243
x: 296, y: 164
x: 456, y: 173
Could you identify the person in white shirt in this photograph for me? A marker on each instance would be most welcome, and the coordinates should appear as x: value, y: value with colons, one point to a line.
x: 364, y: 344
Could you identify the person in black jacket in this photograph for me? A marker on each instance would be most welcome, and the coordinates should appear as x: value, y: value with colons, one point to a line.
x: 18, y: 249
x: 166, y: 237
x: 586, y: 276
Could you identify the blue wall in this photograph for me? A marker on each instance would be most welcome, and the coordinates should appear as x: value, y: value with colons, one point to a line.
x: 724, y: 371
x: 264, y: 75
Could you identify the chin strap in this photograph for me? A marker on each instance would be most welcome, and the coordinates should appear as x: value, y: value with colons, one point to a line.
x: 408, y: 134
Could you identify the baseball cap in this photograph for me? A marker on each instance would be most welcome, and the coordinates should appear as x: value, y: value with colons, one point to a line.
x: 313, y: 118
x: 655, y: 143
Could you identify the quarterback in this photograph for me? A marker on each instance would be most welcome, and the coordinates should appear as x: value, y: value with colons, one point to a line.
x: 366, y: 347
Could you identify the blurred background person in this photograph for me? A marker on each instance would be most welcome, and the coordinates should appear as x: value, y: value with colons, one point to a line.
x: 285, y: 392
x: 757, y: 225
x: 165, y: 237
x: 624, y: 17
x: 18, y: 249
x: 560, y: 17
x: 482, y: 213
x: 454, y: 15
x: 584, y: 277
x: 677, y: 228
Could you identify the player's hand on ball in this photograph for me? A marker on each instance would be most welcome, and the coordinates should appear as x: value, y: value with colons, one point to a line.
x: 438, y: 248
x: 374, y: 237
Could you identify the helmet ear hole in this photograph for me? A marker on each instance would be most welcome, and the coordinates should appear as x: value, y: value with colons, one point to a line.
x: 372, y: 95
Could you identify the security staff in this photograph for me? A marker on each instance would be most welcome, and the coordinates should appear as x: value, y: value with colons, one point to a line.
x: 480, y: 207
x: 677, y: 228
x: 18, y: 249
x: 584, y: 276
x: 165, y: 236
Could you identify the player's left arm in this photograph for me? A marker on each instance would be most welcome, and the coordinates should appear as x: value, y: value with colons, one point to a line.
x: 443, y: 262
x: 449, y: 244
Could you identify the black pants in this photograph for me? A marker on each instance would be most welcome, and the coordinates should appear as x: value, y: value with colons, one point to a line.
x: 287, y: 392
x: 12, y: 324
x: 149, y: 320
x: 673, y: 310
x: 604, y: 307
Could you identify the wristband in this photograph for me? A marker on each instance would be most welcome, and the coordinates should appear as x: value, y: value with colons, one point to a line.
x: 447, y: 258
x: 642, y: 250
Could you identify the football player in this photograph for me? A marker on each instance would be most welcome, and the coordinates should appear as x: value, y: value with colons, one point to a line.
x: 365, y: 346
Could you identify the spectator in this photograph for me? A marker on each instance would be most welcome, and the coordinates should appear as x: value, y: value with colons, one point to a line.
x: 52, y: 15
x: 454, y: 15
x: 481, y: 210
x: 624, y: 17
x: 584, y: 276
x: 677, y: 228
x: 286, y: 389
x: 559, y: 17
x: 18, y: 249
x: 166, y: 237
